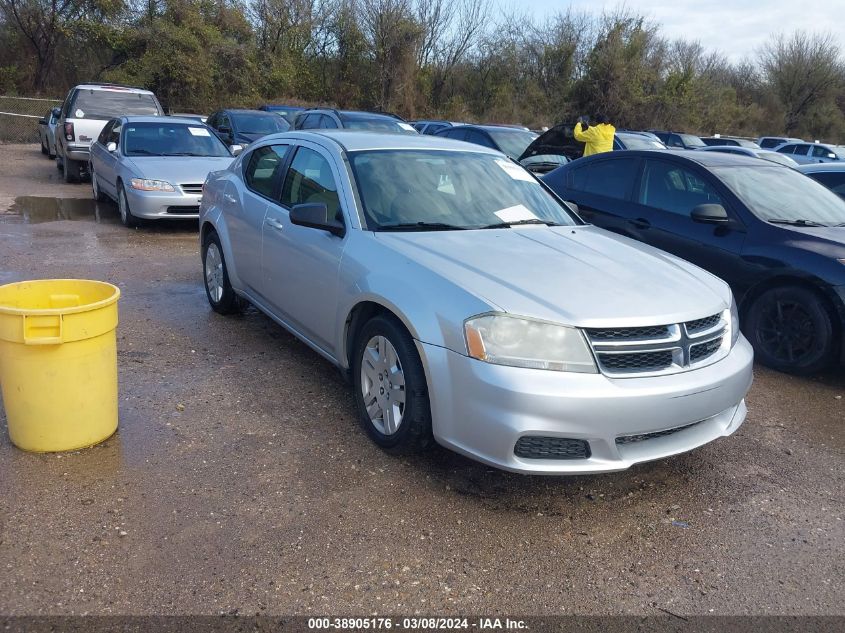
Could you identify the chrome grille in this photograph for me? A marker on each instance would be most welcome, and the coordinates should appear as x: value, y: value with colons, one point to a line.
x: 641, y: 437
x: 192, y: 188
x: 657, y: 349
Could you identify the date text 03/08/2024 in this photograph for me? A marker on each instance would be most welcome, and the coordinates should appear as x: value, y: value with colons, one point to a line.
x: 416, y: 623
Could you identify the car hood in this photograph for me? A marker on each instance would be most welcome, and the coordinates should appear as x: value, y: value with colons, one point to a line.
x: 558, y: 140
x: 579, y: 275
x: 178, y: 169
x: 824, y: 240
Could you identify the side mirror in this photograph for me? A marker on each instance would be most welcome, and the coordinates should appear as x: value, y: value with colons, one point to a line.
x: 236, y: 149
x: 710, y: 214
x: 112, y: 147
x: 56, y: 112
x: 832, y: 155
x: 315, y: 215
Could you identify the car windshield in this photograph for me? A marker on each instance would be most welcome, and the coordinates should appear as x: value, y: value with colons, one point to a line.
x: 107, y: 104
x: 377, y: 123
x: 171, y: 139
x: 774, y: 193
x: 512, y: 142
x: 255, y: 123
x: 692, y: 141
x: 640, y: 142
x: 431, y: 189
x: 839, y: 151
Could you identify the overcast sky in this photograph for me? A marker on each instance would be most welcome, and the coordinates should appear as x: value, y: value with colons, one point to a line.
x: 737, y: 28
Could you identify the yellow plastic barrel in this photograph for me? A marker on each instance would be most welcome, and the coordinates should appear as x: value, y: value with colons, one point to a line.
x: 58, y: 362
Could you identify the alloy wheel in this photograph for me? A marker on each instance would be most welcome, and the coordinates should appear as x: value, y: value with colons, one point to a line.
x: 383, y: 385
x: 786, y: 331
x: 214, y: 272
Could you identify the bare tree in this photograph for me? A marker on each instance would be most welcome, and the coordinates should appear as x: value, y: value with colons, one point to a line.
x: 803, y: 71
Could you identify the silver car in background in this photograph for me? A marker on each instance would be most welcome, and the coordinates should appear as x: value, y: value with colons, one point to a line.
x: 47, y: 132
x: 470, y: 306
x: 154, y: 167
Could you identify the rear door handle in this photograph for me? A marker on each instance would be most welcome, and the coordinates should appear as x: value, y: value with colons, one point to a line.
x: 274, y: 223
x: 640, y: 223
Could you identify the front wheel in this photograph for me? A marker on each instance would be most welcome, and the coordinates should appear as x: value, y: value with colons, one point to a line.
x: 129, y: 220
x: 99, y: 196
x: 221, y: 296
x: 791, y: 330
x: 391, y: 394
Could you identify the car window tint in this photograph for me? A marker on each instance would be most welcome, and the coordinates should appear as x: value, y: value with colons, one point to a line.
x: 786, y: 149
x: 458, y: 135
x: 820, y: 151
x: 610, y: 178
x: 311, y: 122
x: 435, y: 127
x: 114, y: 135
x: 672, y: 188
x: 264, y: 167
x: 326, y: 122
x: 835, y: 181
x: 480, y: 138
x: 310, y: 179
x: 675, y: 141
x: 803, y: 150
x: 104, y: 134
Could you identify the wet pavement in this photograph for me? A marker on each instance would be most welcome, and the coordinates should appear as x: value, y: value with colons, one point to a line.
x: 239, y: 478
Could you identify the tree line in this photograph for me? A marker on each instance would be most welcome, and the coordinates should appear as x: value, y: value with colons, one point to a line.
x: 452, y: 59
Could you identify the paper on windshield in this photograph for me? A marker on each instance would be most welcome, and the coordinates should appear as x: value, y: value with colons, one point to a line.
x: 515, y: 214
x: 198, y: 131
x: 514, y: 171
x: 406, y: 126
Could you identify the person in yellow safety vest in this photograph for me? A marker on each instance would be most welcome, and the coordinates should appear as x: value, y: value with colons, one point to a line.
x: 597, y: 138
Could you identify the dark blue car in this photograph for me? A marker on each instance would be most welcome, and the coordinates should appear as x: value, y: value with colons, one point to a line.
x: 776, y: 236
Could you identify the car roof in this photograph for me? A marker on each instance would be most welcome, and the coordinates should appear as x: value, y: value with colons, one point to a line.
x: 248, y: 111
x: 161, y: 119
x: 358, y: 140
x: 114, y: 88
x: 491, y: 128
x: 814, y: 167
x: 704, y: 158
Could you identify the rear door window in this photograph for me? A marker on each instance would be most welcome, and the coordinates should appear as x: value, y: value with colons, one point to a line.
x: 609, y: 178
x: 327, y: 123
x: 311, y: 122
x: 264, y: 169
x: 802, y: 150
x: 675, y: 189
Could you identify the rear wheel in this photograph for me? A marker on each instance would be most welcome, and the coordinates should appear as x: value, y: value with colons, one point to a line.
x: 44, y: 149
x: 129, y: 220
x: 791, y: 330
x: 390, y: 387
x: 221, y: 296
x: 71, y: 169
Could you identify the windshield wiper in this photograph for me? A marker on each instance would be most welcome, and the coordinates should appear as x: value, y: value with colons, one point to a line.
x: 145, y: 152
x: 183, y: 154
x: 421, y: 226
x: 798, y: 222
x: 504, y: 225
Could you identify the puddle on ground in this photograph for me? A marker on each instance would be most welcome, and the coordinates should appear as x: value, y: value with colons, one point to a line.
x: 37, y: 210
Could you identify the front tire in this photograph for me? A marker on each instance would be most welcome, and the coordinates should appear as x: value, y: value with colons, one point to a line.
x: 221, y: 296
x: 99, y: 196
x: 791, y: 330
x: 126, y: 217
x: 391, y: 393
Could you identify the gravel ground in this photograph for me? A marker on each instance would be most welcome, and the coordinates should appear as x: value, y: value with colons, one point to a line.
x: 239, y: 479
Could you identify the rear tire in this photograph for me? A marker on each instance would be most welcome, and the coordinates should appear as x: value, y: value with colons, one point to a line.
x: 791, y: 330
x: 221, y: 296
x: 44, y: 149
x: 71, y: 169
x: 391, y: 393
x: 126, y: 217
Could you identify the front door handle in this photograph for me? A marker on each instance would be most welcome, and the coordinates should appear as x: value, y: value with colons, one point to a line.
x: 228, y: 197
x: 274, y: 223
x: 640, y: 223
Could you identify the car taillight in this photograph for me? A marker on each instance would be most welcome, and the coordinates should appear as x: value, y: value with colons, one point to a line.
x: 69, y: 131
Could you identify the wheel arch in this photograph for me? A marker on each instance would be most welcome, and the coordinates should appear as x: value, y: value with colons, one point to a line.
x: 358, y: 315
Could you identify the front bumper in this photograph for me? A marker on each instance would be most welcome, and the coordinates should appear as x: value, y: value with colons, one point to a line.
x: 481, y: 410
x: 156, y: 205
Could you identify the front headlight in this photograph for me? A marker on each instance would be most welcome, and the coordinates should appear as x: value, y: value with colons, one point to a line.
x: 734, y: 322
x: 142, y: 184
x: 521, y: 342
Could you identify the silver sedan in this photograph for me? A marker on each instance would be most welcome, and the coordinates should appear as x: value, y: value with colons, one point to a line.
x: 154, y: 167
x: 469, y: 306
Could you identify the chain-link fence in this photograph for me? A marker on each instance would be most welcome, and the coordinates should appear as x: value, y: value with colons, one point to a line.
x: 19, y: 117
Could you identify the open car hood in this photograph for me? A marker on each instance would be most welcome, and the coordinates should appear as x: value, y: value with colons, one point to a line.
x: 559, y: 140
